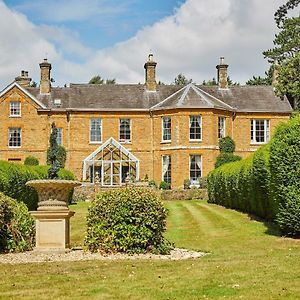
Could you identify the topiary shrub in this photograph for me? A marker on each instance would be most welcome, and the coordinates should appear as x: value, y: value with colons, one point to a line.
x: 130, y: 220
x: 226, y: 145
x: 285, y: 179
x: 225, y: 158
x: 17, y: 230
x: 164, y: 186
x: 31, y: 161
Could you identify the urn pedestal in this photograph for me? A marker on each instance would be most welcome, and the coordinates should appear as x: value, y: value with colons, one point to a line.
x: 52, y: 218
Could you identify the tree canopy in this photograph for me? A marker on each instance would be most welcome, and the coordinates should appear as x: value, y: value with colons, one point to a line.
x: 99, y: 80
x: 182, y: 80
x: 285, y: 54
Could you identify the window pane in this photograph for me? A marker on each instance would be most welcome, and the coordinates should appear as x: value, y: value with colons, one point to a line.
x: 125, y: 130
x: 260, y: 131
x: 166, y: 168
x: 195, y: 127
x: 221, y: 127
x: 14, y: 137
x: 166, y: 121
x: 195, y: 168
x: 59, y: 136
x: 15, y: 108
x: 95, y: 130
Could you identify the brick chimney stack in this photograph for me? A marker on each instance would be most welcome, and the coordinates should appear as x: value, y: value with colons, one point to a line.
x: 150, y: 66
x: 45, y: 84
x: 222, y: 74
x: 23, y: 79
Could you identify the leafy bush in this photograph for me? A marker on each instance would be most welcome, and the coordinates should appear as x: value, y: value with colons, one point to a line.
x: 17, y: 230
x: 31, y: 161
x: 225, y: 158
x: 285, y: 170
x: 13, y: 178
x: 186, y: 184
x: 226, y: 145
x: 164, y: 186
x: 130, y: 220
x: 202, y: 182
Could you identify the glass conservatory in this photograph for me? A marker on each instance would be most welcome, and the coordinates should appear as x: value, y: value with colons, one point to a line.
x: 110, y: 165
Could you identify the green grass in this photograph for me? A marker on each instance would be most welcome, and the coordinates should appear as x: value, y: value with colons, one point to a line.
x: 247, y: 260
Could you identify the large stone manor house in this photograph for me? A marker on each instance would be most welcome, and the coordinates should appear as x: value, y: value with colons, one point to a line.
x: 162, y: 132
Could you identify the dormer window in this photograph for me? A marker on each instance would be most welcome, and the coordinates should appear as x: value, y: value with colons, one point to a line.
x: 57, y: 102
x: 15, y: 109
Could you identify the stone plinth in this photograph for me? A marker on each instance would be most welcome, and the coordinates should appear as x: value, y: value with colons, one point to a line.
x: 52, y: 218
x: 52, y: 230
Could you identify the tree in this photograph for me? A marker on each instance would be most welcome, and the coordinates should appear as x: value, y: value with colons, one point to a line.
x: 110, y: 81
x: 33, y: 84
x: 286, y: 52
x: 99, y: 80
x: 182, y: 80
x: 267, y: 80
x: 96, y: 80
x: 210, y: 82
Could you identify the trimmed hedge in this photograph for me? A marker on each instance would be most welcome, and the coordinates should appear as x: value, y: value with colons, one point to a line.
x: 267, y: 183
x: 31, y: 161
x: 17, y: 230
x: 130, y: 220
x: 14, y: 176
x: 244, y: 185
x: 225, y: 158
x: 285, y: 170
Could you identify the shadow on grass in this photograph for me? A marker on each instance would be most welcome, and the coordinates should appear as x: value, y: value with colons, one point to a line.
x: 271, y: 227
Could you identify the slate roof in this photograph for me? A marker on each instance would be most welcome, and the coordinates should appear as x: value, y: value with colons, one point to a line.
x: 122, y: 97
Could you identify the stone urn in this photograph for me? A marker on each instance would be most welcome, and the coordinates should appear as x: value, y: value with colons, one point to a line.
x: 53, y: 193
x: 53, y: 215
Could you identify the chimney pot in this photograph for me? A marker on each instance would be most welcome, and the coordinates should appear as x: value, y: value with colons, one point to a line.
x: 222, y: 74
x: 150, y: 80
x: 45, y: 84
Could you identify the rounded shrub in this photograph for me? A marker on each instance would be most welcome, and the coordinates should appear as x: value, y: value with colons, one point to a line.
x: 130, y: 220
x: 164, y: 186
x: 225, y: 158
x: 226, y: 145
x: 17, y: 230
x: 285, y: 170
x: 31, y: 161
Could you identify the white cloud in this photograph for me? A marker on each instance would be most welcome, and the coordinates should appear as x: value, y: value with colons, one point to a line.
x: 190, y: 42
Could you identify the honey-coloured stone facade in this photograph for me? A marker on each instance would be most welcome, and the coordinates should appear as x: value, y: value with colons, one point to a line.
x: 146, y: 135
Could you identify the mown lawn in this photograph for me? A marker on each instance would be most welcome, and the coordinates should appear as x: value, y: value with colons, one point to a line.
x: 247, y: 260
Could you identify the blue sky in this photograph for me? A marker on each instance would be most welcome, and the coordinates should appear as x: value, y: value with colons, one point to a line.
x: 113, y: 38
x: 112, y: 21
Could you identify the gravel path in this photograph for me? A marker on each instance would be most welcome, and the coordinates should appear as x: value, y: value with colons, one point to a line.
x: 79, y: 255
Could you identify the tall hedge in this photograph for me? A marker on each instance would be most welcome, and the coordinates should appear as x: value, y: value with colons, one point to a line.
x: 14, y: 176
x: 244, y: 185
x: 285, y: 169
x: 267, y: 183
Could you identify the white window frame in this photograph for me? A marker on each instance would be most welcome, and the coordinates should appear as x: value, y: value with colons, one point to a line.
x: 169, y: 169
x: 126, y: 141
x: 221, y: 127
x: 193, y: 181
x: 190, y: 118
x: 90, y: 130
x: 9, y: 135
x: 12, y: 108
x: 253, y: 131
x: 166, y: 128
